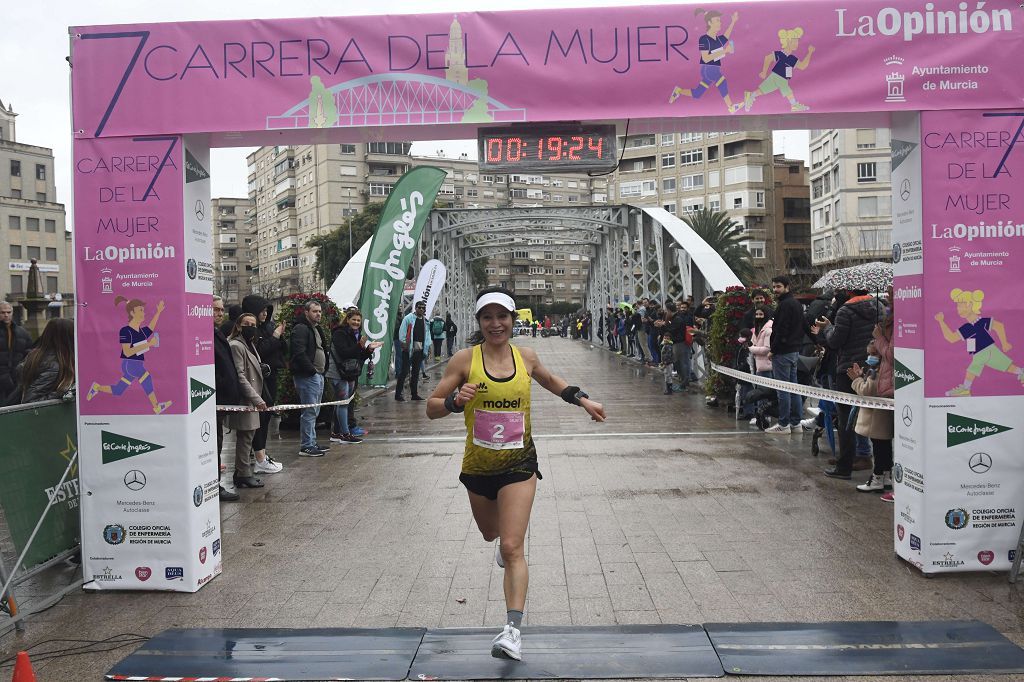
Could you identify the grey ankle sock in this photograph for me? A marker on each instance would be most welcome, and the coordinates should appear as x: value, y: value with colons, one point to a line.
x: 515, y: 618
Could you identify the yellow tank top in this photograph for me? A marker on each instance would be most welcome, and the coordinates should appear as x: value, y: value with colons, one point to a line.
x: 498, y: 434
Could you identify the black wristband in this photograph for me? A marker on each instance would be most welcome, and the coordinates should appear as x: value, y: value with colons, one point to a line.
x: 569, y: 395
x: 449, y: 403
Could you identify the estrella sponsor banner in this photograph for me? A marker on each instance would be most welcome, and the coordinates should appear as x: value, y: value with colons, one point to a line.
x: 129, y: 273
x: 36, y: 448
x: 608, y: 63
x: 974, y: 249
x: 391, y: 252
x: 429, y: 284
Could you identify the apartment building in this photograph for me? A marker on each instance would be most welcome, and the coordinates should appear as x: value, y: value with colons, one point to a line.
x: 233, y: 251
x: 851, y: 196
x: 32, y: 223
x: 789, y: 245
x: 732, y: 172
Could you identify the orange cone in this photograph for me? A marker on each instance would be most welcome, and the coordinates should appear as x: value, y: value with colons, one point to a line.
x: 23, y: 669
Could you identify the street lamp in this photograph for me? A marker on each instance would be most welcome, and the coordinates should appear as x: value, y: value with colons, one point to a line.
x: 348, y: 210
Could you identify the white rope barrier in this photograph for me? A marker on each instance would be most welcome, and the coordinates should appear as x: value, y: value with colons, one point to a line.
x: 811, y: 391
x: 279, y: 408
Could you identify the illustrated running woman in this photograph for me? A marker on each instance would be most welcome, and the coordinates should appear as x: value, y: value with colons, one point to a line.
x: 980, y: 344
x: 135, y: 340
x: 490, y: 382
x: 712, y: 48
x: 782, y: 71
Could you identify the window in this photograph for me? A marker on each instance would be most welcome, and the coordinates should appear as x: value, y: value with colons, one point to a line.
x: 16, y: 287
x: 714, y: 178
x: 51, y: 285
x: 517, y: 193
x: 816, y: 188
x: 818, y: 218
x: 870, y: 207
x: 51, y: 253
x: 739, y: 174
x: 693, y: 181
x: 574, y: 272
x: 486, y: 178
x: 394, y: 148
x: 756, y: 249
x: 693, y: 205
x: 15, y: 168
x: 668, y: 140
x: 797, y: 232
x: 876, y: 240
x: 671, y: 208
x: 691, y: 156
x: 379, y: 189
x: 835, y: 212
x: 14, y: 222
x: 668, y: 184
x: 559, y: 271
x: 796, y: 207
x: 715, y: 203
x: 867, y: 172
x: 758, y: 199
x: 668, y: 160
x: 819, y: 249
x: 15, y: 251
x: 690, y: 137
x: 40, y: 171
x: 32, y: 224
x: 521, y: 254
x: 866, y: 138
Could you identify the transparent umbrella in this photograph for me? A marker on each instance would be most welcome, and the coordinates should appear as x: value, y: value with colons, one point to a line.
x: 865, y: 277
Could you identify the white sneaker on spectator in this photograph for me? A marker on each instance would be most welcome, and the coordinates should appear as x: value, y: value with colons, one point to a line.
x: 268, y: 466
x: 753, y: 422
x: 507, y: 644
x: 778, y: 428
x: 873, y: 485
x: 887, y: 480
x: 808, y: 424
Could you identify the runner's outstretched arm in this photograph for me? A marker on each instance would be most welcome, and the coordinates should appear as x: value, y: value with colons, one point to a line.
x: 556, y: 384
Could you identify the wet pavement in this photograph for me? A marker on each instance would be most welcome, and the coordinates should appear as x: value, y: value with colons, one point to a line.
x: 670, y: 512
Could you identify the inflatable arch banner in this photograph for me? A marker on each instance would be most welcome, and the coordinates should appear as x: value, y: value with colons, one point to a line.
x: 150, y: 99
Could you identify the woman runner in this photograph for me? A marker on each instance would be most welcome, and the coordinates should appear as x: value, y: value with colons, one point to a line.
x: 136, y: 340
x: 499, y: 465
x: 713, y: 46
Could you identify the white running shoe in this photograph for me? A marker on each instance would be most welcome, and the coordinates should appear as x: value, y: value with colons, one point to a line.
x: 507, y: 644
x: 809, y: 424
x: 753, y: 422
x: 497, y: 554
x: 268, y: 466
x: 778, y: 428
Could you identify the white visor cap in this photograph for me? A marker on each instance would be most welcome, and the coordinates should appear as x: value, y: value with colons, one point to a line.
x: 504, y: 300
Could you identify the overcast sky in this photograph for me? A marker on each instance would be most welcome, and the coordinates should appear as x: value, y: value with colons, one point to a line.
x: 34, y: 44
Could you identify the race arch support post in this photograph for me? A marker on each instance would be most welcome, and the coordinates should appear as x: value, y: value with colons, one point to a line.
x: 147, y: 422
x: 958, y: 235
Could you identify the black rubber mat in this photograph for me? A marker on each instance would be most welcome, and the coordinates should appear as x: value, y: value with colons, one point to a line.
x: 310, y: 654
x: 560, y: 652
x: 864, y: 648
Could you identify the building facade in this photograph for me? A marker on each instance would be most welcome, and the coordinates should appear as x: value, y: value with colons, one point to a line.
x: 32, y: 223
x: 789, y: 246
x: 233, y: 251
x: 851, y: 197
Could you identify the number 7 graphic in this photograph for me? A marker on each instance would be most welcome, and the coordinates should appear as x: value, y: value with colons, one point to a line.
x: 143, y: 36
x: 1013, y: 142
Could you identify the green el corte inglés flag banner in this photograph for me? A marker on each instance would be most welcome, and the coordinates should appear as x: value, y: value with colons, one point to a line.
x: 391, y: 251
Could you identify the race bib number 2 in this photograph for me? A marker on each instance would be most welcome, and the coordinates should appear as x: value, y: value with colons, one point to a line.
x: 498, y: 430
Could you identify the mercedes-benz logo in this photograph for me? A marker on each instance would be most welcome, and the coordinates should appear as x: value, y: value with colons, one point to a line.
x: 980, y: 462
x: 135, y: 480
x: 908, y: 415
x: 905, y: 189
x: 204, y: 431
x: 200, y: 209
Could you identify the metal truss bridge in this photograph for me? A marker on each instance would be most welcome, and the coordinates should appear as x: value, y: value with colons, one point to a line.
x: 393, y: 99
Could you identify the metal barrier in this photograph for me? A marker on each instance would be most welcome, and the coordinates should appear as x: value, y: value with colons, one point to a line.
x: 38, y: 498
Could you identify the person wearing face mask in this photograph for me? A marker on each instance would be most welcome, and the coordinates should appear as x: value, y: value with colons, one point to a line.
x: 250, y: 383
x: 874, y: 424
x: 761, y: 344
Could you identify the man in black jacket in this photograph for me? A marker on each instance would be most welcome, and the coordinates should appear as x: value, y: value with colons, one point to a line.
x: 309, y: 355
x: 14, y: 345
x: 225, y: 382
x: 849, y: 338
x: 787, y: 337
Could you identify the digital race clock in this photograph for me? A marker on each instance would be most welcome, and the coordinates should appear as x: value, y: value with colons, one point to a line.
x: 562, y: 147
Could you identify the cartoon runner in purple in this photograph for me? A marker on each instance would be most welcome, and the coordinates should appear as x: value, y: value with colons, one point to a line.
x: 135, y: 341
x: 712, y: 48
x: 782, y: 71
x: 980, y: 344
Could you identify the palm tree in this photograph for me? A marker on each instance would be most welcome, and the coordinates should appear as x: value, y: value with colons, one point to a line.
x: 725, y: 236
